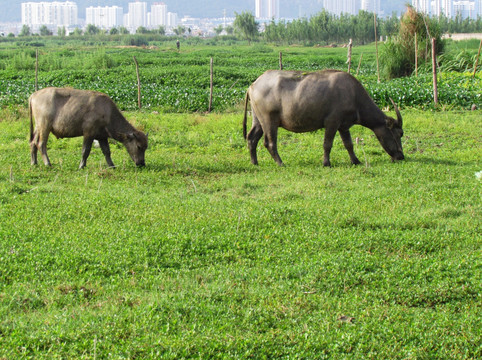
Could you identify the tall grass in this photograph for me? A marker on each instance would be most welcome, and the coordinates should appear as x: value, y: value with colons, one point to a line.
x: 202, y: 255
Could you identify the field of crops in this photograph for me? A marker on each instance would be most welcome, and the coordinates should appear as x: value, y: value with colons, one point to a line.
x: 202, y: 255
x: 175, y: 81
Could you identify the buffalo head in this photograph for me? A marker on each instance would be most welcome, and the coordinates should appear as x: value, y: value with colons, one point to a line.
x: 390, y: 135
x: 136, y: 145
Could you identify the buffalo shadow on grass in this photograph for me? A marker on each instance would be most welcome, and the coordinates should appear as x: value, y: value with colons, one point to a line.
x: 188, y: 169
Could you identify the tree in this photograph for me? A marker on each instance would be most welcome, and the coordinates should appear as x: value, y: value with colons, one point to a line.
x: 218, y: 30
x: 180, y: 30
x: 161, y: 30
x: 113, y: 31
x: 77, y: 32
x: 229, y: 30
x: 92, y: 30
x: 246, y: 25
x: 61, y: 31
x: 44, y: 31
x: 391, y: 25
x: 124, y: 31
x: 142, y: 30
x: 25, y: 31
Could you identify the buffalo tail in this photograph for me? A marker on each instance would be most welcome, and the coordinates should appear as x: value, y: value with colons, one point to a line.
x: 245, y: 114
x: 31, y: 121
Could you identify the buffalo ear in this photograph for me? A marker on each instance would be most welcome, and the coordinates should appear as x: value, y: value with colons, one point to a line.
x: 390, y: 122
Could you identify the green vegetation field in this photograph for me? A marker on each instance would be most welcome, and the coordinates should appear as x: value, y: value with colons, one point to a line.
x: 175, y: 81
x: 202, y: 255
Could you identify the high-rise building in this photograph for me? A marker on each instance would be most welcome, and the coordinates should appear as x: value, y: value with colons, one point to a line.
x: 172, y: 19
x: 448, y: 8
x: 370, y: 6
x: 466, y: 9
x: 50, y: 14
x: 267, y: 9
x: 338, y: 7
x: 478, y: 7
x: 158, y: 14
x: 105, y: 17
x: 137, y: 15
x: 422, y: 6
x: 443, y: 7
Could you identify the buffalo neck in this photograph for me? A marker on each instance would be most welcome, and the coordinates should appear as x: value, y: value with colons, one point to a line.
x: 119, y: 125
x: 370, y: 115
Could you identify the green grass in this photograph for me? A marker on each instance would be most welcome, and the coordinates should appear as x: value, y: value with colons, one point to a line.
x: 200, y: 254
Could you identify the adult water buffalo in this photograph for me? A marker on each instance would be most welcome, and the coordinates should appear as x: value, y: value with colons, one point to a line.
x: 302, y: 102
x: 67, y: 112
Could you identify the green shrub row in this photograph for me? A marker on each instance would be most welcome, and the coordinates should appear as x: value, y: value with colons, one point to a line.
x: 179, y: 82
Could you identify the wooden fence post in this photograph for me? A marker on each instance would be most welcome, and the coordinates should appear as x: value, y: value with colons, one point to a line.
x: 36, y: 69
x: 280, y: 60
x: 434, y: 69
x: 416, y: 55
x: 376, y: 45
x: 211, y: 85
x: 350, y: 45
x: 477, y: 59
x: 359, y: 64
x: 138, y: 83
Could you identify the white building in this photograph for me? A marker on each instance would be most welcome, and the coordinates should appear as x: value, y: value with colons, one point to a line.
x: 338, y: 7
x: 172, y: 19
x: 137, y: 15
x: 267, y: 9
x: 443, y: 7
x: 105, y: 17
x: 370, y: 6
x: 422, y: 6
x: 50, y: 14
x: 466, y: 9
x: 158, y: 15
x: 449, y: 8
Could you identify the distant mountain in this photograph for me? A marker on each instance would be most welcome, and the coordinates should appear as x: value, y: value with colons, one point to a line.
x: 11, y: 11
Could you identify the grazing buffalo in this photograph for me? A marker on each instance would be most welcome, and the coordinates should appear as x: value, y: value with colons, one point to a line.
x: 302, y: 102
x: 67, y: 112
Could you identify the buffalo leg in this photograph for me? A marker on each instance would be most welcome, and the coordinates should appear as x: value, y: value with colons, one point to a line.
x: 327, y: 145
x: 43, y: 137
x: 346, y: 137
x: 86, y: 147
x: 33, y: 149
x: 253, y: 138
x: 270, y: 142
x: 104, y: 145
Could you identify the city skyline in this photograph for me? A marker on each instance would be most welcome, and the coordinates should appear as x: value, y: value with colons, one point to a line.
x: 55, y: 14
x: 288, y: 9
x: 449, y: 8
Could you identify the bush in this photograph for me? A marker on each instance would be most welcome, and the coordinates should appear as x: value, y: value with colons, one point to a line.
x: 398, y: 58
x: 461, y: 62
x: 135, y: 40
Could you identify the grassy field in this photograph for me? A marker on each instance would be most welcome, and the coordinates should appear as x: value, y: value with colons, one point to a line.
x: 202, y: 255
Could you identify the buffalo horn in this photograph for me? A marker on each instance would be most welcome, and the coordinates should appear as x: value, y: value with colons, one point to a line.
x: 399, y: 116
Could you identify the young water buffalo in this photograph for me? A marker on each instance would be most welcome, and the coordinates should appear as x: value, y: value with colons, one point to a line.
x: 302, y: 102
x: 67, y: 112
